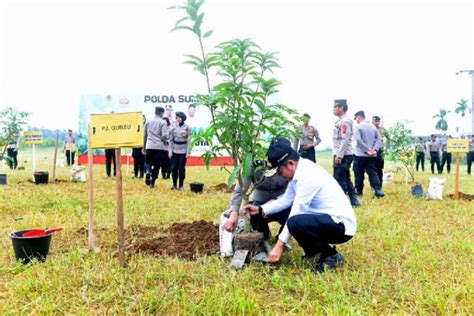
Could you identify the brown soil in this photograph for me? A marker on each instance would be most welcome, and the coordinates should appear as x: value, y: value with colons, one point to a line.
x: 222, y: 187
x: 253, y: 242
x: 463, y: 196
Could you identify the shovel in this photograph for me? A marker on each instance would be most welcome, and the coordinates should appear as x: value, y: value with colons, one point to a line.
x: 41, y: 232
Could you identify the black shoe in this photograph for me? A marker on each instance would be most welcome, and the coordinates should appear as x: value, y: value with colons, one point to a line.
x: 180, y: 189
x: 379, y: 193
x: 174, y: 187
x: 329, y: 263
x: 148, y: 178
x: 354, y: 200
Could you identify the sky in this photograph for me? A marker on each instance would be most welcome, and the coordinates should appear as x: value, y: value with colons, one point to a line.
x: 397, y: 60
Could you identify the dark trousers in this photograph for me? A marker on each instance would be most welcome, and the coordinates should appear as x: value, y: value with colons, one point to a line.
x: 109, y: 158
x: 434, y: 156
x: 178, y: 167
x: 314, y: 233
x: 138, y: 162
x: 12, y: 158
x: 380, y: 164
x: 308, y: 153
x: 260, y: 223
x: 446, y: 159
x: 167, y: 166
x: 154, y: 161
x: 363, y: 165
x: 420, y: 159
x: 343, y: 176
x: 470, y: 160
x: 70, y: 155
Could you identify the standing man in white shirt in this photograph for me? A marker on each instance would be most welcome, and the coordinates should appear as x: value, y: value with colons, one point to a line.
x: 320, y: 212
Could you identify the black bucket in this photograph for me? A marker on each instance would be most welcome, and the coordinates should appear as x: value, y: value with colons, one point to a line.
x: 3, y: 179
x: 196, y: 187
x: 41, y: 177
x: 29, y: 248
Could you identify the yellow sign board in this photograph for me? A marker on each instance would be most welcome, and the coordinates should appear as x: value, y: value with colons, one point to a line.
x: 458, y: 146
x: 117, y: 130
x: 71, y: 147
x: 33, y: 137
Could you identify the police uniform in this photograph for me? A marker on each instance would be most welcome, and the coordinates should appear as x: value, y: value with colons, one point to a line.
x: 156, y: 136
x: 470, y: 155
x: 420, y: 155
x: 12, y: 154
x: 445, y: 157
x: 433, y: 149
x: 180, y: 147
x: 309, y: 136
x: 380, y: 162
x: 342, y: 148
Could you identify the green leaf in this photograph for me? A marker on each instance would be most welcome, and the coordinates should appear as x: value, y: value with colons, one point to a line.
x: 233, y: 176
x: 208, y: 33
x: 247, y: 165
x: 182, y: 27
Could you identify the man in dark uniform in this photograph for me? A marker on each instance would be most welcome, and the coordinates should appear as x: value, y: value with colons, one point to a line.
x: 342, y: 150
x: 470, y: 155
x: 433, y: 149
x: 446, y: 157
x: 380, y: 162
x: 420, y: 149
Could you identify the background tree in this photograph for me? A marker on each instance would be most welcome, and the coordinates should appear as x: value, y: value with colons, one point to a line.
x: 442, y: 124
x: 242, y: 106
x: 400, y: 147
x: 12, y: 122
x: 462, y: 108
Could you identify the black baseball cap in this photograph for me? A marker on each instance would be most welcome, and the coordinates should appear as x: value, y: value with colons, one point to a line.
x: 280, y: 149
x: 359, y: 113
x: 340, y: 102
x: 159, y: 110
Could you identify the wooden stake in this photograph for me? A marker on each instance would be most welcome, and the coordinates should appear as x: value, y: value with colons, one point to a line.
x: 120, y: 217
x: 55, y: 156
x: 456, y: 179
x: 91, y: 233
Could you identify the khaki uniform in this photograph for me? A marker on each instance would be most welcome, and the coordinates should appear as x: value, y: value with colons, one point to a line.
x: 342, y: 148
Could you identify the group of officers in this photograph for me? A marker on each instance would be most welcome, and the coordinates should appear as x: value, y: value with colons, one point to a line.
x: 311, y: 205
x: 433, y: 148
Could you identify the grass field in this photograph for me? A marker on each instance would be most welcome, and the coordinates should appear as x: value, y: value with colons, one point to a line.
x: 409, y: 256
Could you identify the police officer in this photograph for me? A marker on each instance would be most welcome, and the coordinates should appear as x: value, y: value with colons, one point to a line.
x: 380, y: 162
x: 445, y: 156
x: 420, y: 149
x: 156, y: 134
x: 433, y: 149
x: 69, y: 152
x: 470, y: 155
x: 320, y: 214
x: 365, y: 155
x: 179, y: 150
x: 342, y: 150
x: 12, y: 153
x: 308, y: 140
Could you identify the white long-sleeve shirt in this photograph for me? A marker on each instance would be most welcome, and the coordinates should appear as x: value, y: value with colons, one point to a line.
x: 313, y: 191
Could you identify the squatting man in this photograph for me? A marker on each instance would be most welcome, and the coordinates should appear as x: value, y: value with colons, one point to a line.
x: 320, y: 214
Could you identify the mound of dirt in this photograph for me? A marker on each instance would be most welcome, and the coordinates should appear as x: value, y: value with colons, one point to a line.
x: 184, y: 240
x: 222, y: 187
x: 463, y: 196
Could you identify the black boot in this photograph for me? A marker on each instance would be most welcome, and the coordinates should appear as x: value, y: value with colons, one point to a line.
x: 354, y: 200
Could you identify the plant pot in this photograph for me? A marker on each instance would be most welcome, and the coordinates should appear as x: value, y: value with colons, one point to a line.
x: 3, y: 179
x: 41, y: 177
x: 196, y: 187
x: 29, y: 248
x: 253, y: 242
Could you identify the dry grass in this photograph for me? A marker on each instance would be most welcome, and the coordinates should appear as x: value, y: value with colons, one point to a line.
x: 409, y: 256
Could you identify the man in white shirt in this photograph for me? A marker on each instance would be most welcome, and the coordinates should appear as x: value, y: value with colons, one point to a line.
x: 320, y: 212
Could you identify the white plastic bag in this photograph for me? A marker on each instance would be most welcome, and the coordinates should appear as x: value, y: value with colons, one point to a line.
x: 60, y: 163
x: 436, y: 188
x: 225, y: 238
x: 388, y: 178
x: 78, y: 174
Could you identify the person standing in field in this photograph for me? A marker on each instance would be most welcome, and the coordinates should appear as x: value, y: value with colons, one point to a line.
x: 308, y: 140
x: 109, y: 158
x: 139, y: 159
x: 69, y: 148
x: 380, y: 162
x: 365, y: 155
x: 433, y: 150
x: 470, y: 155
x: 166, y: 169
x: 420, y: 149
x: 12, y: 153
x: 445, y: 156
x: 179, y: 150
x: 342, y: 150
x: 156, y: 134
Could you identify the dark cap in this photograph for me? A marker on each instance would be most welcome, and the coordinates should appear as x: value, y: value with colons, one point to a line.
x: 340, y: 102
x: 280, y: 149
x: 159, y: 110
x: 181, y: 115
x: 359, y: 113
x: 307, y: 115
x: 376, y: 118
